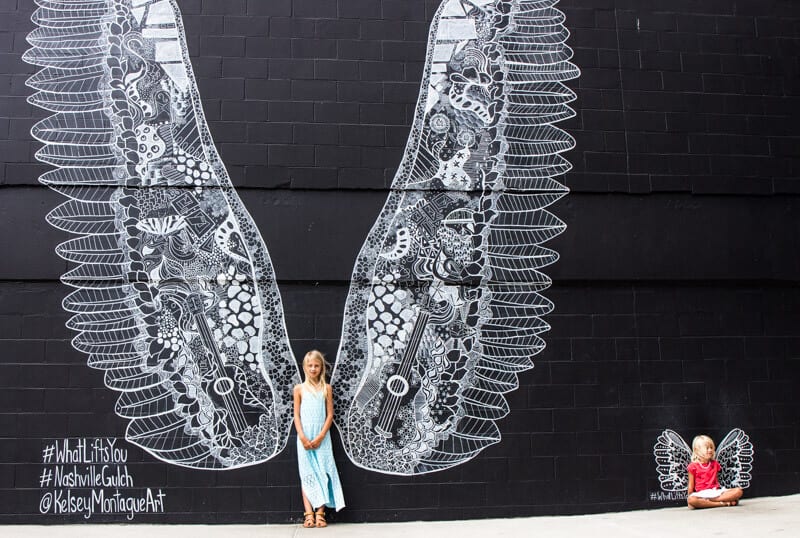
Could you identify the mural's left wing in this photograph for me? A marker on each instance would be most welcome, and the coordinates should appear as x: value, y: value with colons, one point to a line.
x: 175, y: 293
x: 673, y: 456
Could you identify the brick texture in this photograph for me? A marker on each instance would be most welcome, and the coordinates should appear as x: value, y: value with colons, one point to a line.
x: 676, y: 294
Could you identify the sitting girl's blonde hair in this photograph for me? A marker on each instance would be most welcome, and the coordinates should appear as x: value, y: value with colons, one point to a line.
x: 703, y: 440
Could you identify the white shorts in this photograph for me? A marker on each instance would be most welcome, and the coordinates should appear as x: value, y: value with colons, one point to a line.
x: 712, y: 493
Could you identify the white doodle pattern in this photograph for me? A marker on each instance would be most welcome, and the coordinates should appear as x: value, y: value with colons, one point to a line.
x: 175, y: 292
x: 673, y: 455
x: 175, y: 295
x: 444, y: 308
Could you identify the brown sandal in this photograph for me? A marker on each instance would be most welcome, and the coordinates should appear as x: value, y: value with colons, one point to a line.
x: 308, y: 521
x: 320, y: 514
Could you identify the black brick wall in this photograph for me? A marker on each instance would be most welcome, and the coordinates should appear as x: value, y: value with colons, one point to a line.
x: 677, y: 298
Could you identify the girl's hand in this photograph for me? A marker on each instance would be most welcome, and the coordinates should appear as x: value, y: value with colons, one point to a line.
x: 316, y: 442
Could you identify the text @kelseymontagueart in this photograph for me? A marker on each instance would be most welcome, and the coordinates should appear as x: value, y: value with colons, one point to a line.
x: 90, y: 476
x: 67, y: 502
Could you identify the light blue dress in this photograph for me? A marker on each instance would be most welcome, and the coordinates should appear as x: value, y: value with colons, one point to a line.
x: 318, y: 474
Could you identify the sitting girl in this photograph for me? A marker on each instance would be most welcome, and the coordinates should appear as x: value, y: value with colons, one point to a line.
x: 704, y: 489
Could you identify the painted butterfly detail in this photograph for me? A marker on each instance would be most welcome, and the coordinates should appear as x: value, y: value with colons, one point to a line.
x: 673, y: 455
x: 175, y: 295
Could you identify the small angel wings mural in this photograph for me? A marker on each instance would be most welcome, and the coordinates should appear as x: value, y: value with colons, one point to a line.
x: 673, y: 455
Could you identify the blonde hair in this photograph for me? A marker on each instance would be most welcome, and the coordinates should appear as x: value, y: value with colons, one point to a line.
x: 704, y: 440
x: 316, y: 355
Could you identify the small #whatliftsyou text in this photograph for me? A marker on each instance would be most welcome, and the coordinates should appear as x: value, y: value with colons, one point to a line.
x: 87, y: 477
x: 667, y: 495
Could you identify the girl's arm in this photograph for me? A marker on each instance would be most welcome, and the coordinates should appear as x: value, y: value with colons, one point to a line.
x: 691, y: 485
x: 328, y: 419
x: 298, y: 396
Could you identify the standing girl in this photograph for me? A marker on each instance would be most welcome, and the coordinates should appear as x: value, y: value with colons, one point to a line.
x: 704, y: 489
x: 313, y: 416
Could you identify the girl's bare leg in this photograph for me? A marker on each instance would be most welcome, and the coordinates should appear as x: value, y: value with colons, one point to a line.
x: 727, y: 498
x: 732, y: 495
x: 306, y: 504
x: 309, y: 519
x: 699, y: 502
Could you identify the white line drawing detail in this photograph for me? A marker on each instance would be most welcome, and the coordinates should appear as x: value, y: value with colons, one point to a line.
x: 444, y: 308
x: 175, y: 292
x: 673, y: 455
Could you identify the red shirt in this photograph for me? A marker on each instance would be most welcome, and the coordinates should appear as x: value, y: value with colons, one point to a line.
x: 705, y: 474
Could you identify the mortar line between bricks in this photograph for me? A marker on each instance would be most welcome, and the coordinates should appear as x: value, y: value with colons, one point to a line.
x: 622, y: 96
x: 371, y: 190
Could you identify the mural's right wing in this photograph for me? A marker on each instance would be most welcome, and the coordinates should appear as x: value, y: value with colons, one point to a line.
x: 735, y: 456
x: 444, y: 307
x: 175, y: 292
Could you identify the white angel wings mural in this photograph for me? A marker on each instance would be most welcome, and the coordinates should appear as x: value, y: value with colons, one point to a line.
x: 175, y: 293
x: 175, y: 296
x: 673, y: 455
